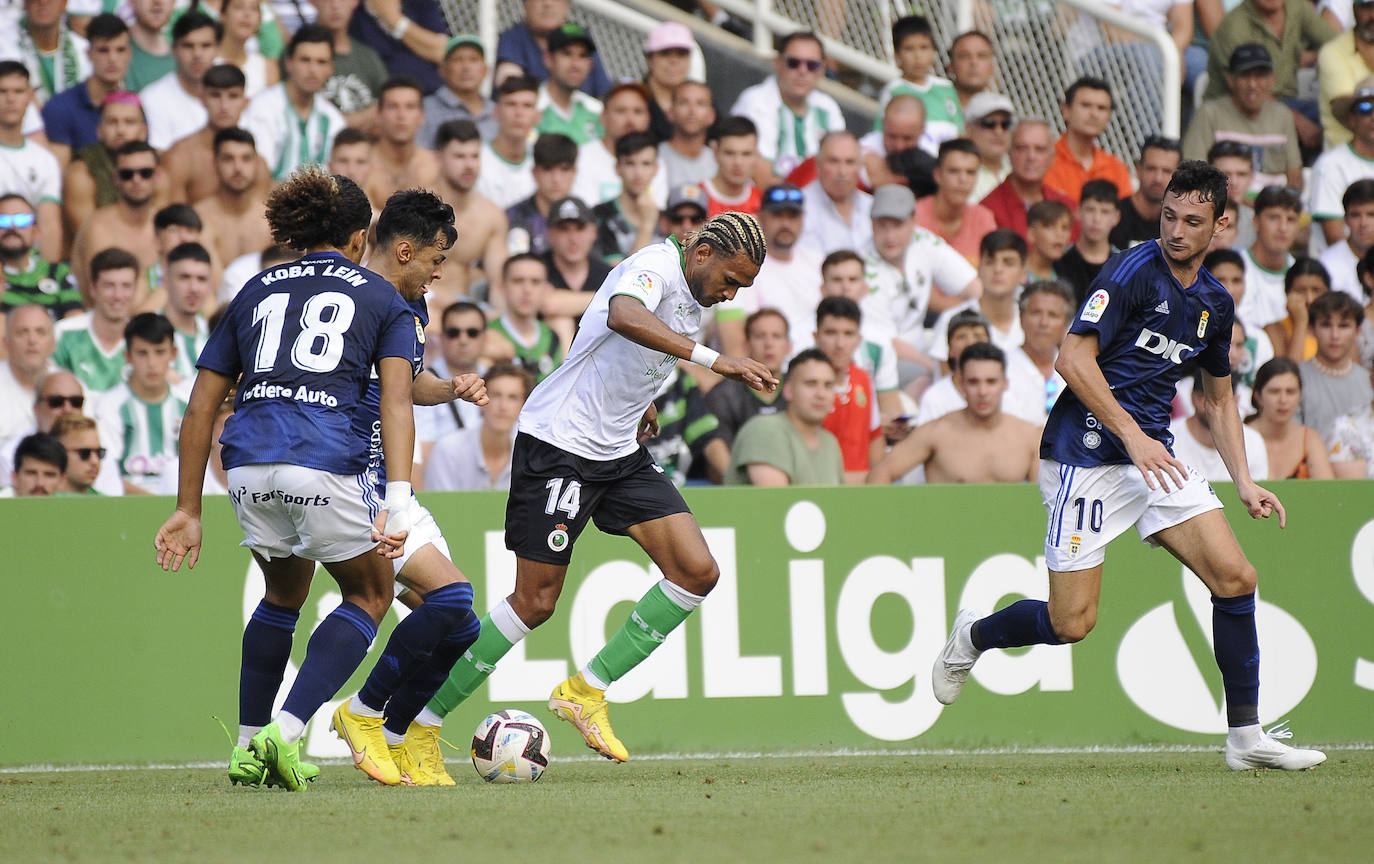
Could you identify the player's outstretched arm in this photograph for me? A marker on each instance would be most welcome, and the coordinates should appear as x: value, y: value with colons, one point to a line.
x: 430, y: 389
x: 179, y: 537
x: 1224, y: 420
x: 632, y: 319
x: 1078, y: 364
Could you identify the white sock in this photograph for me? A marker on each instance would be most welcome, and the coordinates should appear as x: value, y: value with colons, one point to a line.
x: 679, y: 595
x: 429, y: 718
x: 503, y: 617
x: 246, y: 734
x: 357, y: 707
x: 1243, y: 737
x: 392, y: 738
x: 591, y: 678
x: 291, y: 726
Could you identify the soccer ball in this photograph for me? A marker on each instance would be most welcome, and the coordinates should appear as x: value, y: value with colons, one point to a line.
x: 510, y: 746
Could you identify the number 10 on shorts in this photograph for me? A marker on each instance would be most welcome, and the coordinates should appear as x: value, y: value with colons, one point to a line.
x: 568, y: 500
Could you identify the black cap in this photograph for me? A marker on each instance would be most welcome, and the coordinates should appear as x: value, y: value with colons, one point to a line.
x: 1251, y: 55
x: 571, y: 209
x: 570, y: 34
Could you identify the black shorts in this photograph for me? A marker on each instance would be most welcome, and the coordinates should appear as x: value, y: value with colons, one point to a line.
x: 553, y: 493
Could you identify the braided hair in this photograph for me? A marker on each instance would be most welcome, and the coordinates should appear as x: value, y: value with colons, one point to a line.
x: 732, y: 232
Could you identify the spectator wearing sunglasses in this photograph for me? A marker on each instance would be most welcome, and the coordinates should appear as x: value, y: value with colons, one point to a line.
x: 1249, y: 114
x: 28, y: 169
x: 462, y: 331
x: 29, y: 345
x: 57, y: 394
x: 80, y: 437
x: 28, y: 277
x: 1341, y: 64
x: 788, y: 111
x: 1140, y: 210
x: 685, y: 213
x: 1338, y: 167
x: 989, y: 118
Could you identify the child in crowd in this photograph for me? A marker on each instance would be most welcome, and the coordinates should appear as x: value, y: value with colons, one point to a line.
x: 1332, y: 382
x: 140, y: 419
x: 1098, y: 214
x: 1304, y: 282
x: 913, y: 43
x: 626, y: 223
x: 1049, y: 227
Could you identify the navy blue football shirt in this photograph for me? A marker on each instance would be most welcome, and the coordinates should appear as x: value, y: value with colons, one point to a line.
x: 1147, y: 326
x: 368, y: 420
x: 306, y: 337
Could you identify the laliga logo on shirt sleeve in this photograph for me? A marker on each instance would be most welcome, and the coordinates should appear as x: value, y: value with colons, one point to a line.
x: 1096, y: 305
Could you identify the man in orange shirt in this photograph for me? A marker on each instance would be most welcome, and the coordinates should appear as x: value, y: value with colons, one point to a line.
x: 1086, y: 110
x: 854, y: 419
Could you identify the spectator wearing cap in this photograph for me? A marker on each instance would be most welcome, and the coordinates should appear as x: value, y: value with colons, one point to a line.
x: 836, y: 208
x: 988, y: 119
x: 1341, y: 64
x: 685, y: 213
x: 176, y: 95
x: 1337, y: 168
x: 555, y: 166
x: 904, y: 124
x: 1140, y: 210
x: 790, y: 278
x: 460, y: 98
x: 524, y: 43
x: 668, y: 56
x: 1032, y: 152
x: 359, y: 72
x: 292, y: 123
x: 1249, y: 114
x: 1087, y: 110
x: 791, y: 115
x: 574, y: 272
x: 1289, y: 29
x: 70, y: 117
x: 684, y: 153
x: 949, y: 214
x: 409, y: 35
x: 625, y: 110
x: 564, y: 108
x: 506, y: 176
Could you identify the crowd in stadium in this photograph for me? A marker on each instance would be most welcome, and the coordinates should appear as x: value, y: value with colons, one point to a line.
x: 920, y: 273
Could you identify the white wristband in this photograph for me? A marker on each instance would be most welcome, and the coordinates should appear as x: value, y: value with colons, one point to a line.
x: 399, y: 31
x: 703, y: 356
x: 397, y: 506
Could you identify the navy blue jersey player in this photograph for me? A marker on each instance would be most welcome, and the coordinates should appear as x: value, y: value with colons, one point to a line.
x: 1107, y: 463
x: 301, y: 340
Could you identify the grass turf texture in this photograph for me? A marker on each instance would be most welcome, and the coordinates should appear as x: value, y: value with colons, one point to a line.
x: 1171, y: 806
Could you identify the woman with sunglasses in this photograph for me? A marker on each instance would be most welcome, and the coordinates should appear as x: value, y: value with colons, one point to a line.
x: 1295, y: 451
x: 305, y: 338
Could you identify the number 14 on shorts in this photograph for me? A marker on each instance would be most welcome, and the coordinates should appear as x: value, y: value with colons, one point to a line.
x: 568, y: 500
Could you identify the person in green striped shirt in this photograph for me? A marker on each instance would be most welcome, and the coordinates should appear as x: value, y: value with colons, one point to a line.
x: 189, y: 288
x: 91, y: 345
x: 140, y: 420
x: 524, y: 338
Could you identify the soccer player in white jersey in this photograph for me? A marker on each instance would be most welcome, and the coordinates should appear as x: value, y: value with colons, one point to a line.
x: 580, y: 455
x: 1107, y: 463
x: 305, y: 338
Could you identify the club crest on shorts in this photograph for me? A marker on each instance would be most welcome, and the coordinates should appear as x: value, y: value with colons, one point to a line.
x: 1096, y: 305
x: 1075, y: 545
x: 558, y: 538
x: 1202, y: 323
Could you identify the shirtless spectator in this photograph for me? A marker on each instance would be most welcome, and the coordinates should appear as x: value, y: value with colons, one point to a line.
x: 978, y: 444
x: 398, y: 160
x: 734, y: 402
x: 190, y: 164
x: 506, y: 177
x: 966, y: 327
x: 555, y: 167
x: 175, y: 97
x: 792, y: 447
x: 88, y: 182
x: 351, y: 156
x: 236, y: 210
x: 127, y: 223
x: 481, y: 246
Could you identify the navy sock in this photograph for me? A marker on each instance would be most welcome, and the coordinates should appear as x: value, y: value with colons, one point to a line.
x: 421, y: 687
x: 266, y: 651
x: 1236, y: 645
x: 414, y: 640
x: 336, y: 648
x: 1025, y: 622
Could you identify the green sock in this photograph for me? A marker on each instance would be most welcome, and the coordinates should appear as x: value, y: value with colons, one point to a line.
x: 653, y: 618
x: 472, y: 668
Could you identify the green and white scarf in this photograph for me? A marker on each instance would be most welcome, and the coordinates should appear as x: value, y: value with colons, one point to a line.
x: 53, y: 76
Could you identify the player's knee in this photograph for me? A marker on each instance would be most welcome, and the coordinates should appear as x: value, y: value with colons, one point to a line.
x: 1076, y: 627
x: 1238, y: 580
x: 699, y: 577
x: 534, y: 607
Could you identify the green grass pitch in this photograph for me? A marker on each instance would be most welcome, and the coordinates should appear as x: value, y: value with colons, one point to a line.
x: 1079, y: 807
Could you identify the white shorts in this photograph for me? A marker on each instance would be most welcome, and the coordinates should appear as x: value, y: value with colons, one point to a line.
x: 424, y: 531
x: 290, y: 510
x: 1090, y: 507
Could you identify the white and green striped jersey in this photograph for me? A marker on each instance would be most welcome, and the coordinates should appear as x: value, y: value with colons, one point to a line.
x: 284, y: 138
x: 188, y: 349
x: 944, y: 115
x: 786, y: 138
x: 141, y: 436
x: 582, y: 122
x: 80, y: 354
